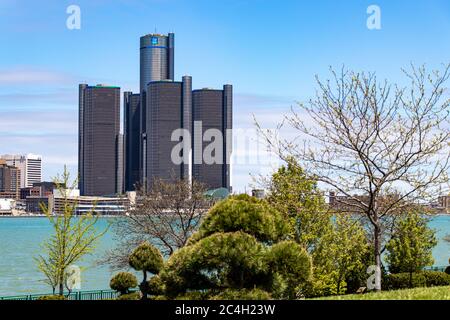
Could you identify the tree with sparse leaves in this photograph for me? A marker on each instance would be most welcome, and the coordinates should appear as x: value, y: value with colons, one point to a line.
x: 166, y: 215
x: 381, y: 146
x: 73, y: 237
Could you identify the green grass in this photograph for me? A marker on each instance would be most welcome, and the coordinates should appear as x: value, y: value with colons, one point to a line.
x: 434, y: 293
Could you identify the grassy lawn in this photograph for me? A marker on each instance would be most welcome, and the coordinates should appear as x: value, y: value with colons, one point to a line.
x: 434, y: 293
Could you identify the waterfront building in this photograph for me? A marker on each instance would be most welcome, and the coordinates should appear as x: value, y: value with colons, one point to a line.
x: 89, y: 204
x: 7, y: 206
x: 131, y: 103
x: 444, y: 203
x: 212, y: 111
x: 157, y: 63
x: 30, y: 167
x: 9, y: 180
x: 99, y: 140
x: 169, y: 108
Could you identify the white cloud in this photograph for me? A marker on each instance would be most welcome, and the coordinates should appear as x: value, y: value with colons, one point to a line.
x: 32, y: 76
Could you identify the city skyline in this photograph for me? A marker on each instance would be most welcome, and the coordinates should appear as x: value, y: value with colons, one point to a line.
x: 276, y: 67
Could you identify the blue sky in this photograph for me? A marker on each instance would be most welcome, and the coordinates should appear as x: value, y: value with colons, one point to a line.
x: 269, y: 50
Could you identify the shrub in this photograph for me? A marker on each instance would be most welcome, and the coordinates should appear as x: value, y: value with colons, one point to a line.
x: 130, y: 296
x: 447, y: 270
x: 436, y: 278
x: 123, y: 281
x: 52, y: 297
x: 419, y: 279
x: 155, y: 286
x: 243, y: 213
x: 146, y: 258
x: 243, y: 294
x: 396, y: 281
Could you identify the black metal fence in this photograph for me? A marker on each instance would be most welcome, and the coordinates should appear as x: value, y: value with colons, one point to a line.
x: 78, y: 295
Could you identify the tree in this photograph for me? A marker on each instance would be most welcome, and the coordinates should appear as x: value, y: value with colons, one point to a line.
x: 123, y: 282
x: 166, y: 215
x: 340, y: 252
x: 73, y: 238
x: 297, y: 196
x: 410, y: 248
x: 381, y: 146
x: 240, y: 247
x: 146, y: 258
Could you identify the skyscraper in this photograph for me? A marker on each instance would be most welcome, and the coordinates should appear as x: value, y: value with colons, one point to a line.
x: 212, y: 109
x: 169, y: 106
x: 132, y: 138
x: 30, y: 167
x: 9, y: 180
x: 156, y: 64
x: 99, y: 141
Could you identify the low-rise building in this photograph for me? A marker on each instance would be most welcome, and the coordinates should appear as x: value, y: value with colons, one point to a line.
x: 88, y: 204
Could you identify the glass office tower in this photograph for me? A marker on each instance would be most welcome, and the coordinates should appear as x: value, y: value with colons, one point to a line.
x: 156, y: 64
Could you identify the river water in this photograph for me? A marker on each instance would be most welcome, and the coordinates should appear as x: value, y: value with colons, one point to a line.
x: 20, y: 240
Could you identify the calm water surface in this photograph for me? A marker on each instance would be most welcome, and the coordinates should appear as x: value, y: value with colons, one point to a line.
x: 20, y: 240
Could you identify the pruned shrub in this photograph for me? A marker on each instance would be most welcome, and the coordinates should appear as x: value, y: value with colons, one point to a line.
x: 123, y: 282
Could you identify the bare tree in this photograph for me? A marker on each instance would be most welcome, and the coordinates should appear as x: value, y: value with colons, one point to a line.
x: 166, y: 216
x: 380, y: 145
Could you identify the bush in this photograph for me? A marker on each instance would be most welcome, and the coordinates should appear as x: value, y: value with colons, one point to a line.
x: 243, y: 294
x: 52, y: 297
x: 130, y: 296
x: 397, y: 281
x: 419, y: 279
x: 436, y: 278
x: 447, y: 270
x: 243, y: 213
x: 146, y: 258
x: 155, y: 286
x: 123, y: 281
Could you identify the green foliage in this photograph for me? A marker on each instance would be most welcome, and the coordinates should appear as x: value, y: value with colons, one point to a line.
x: 417, y: 279
x: 435, y: 293
x: 410, y: 248
x: 52, y: 297
x: 298, y: 198
x: 242, y: 294
x: 73, y: 237
x: 123, y: 282
x: 341, y: 253
x: 146, y: 258
x: 218, y: 261
x: 156, y: 286
x: 239, y: 248
x: 292, y: 267
x: 243, y: 213
x: 436, y: 278
x: 130, y: 296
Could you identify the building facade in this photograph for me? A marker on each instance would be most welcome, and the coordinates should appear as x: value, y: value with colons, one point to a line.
x: 30, y: 166
x: 82, y: 205
x: 132, y: 136
x: 99, y: 140
x: 9, y: 181
x: 212, y: 116
x: 157, y: 63
x: 169, y: 106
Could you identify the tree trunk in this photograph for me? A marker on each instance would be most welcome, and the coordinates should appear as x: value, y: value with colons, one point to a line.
x: 377, y: 251
x: 144, y: 286
x: 61, y: 287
